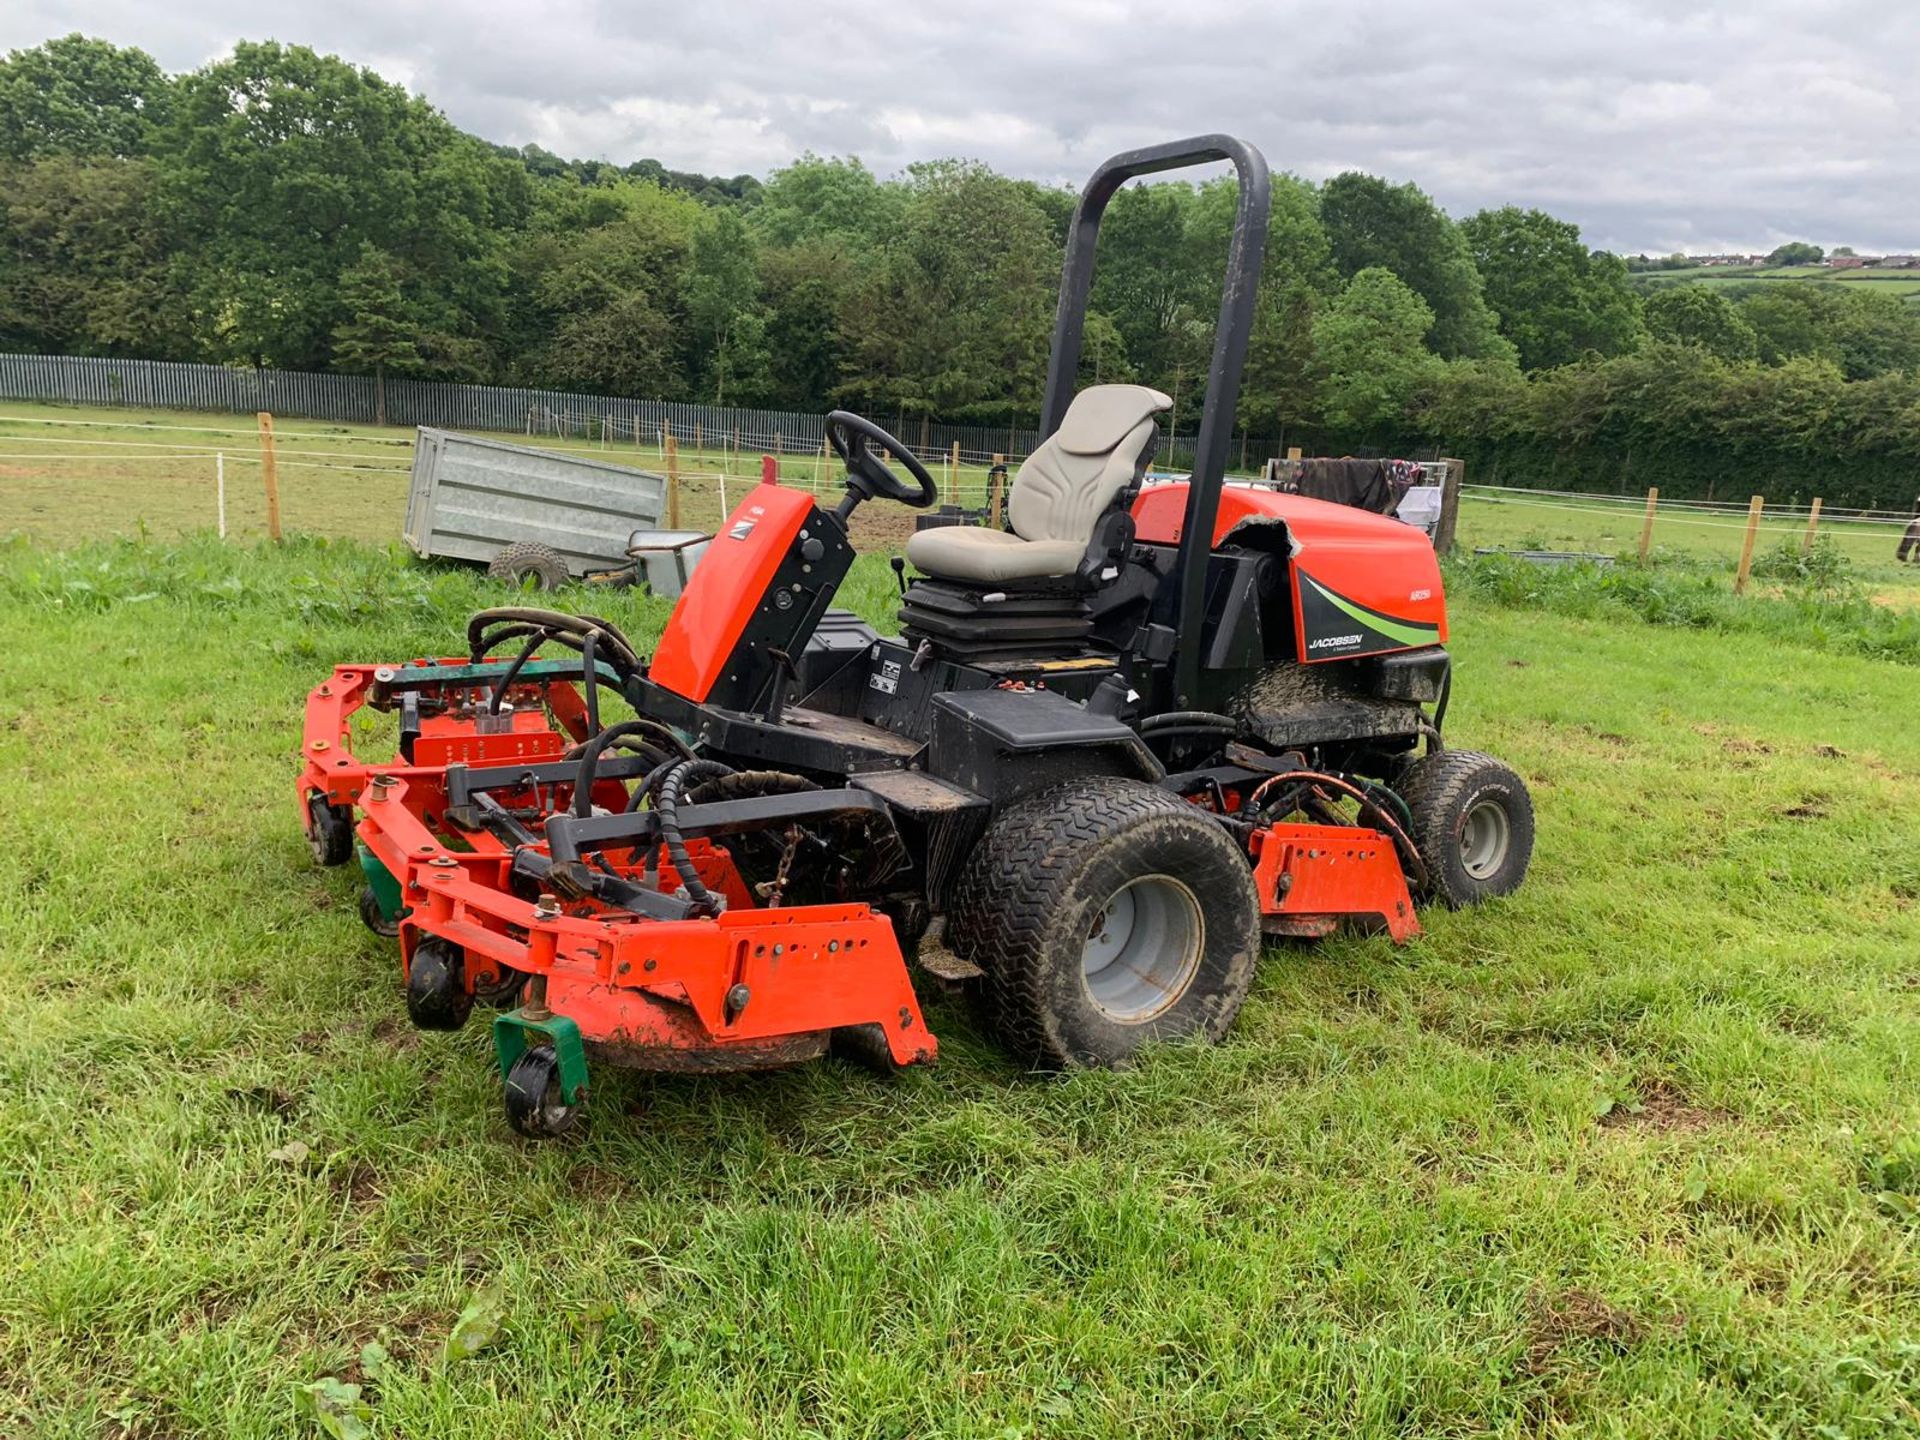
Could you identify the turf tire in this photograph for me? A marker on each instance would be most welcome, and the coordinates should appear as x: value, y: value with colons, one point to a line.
x: 1443, y: 791
x: 526, y: 560
x: 1034, y: 890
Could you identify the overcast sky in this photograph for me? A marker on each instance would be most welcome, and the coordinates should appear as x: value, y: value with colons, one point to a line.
x: 1655, y: 126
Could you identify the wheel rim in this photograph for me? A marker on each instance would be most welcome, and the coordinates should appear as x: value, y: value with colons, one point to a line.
x: 1485, y: 835
x: 1143, y: 949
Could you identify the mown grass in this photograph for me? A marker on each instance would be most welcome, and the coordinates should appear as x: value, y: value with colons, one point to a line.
x: 1632, y: 1153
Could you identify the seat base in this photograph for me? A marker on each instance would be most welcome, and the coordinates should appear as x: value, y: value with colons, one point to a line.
x: 1029, y: 622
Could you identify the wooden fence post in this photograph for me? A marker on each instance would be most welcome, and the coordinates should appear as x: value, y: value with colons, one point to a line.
x: 999, y: 488
x: 673, y: 483
x: 270, y: 474
x: 1646, y: 525
x: 1445, y: 528
x: 953, y: 472
x: 1746, y: 547
x: 220, y: 490
x: 1813, y: 524
x: 1293, y: 452
x: 697, y: 441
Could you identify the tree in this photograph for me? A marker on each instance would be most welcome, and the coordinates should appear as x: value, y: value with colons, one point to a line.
x: 1370, y: 347
x: 280, y: 164
x: 1556, y: 300
x: 833, y: 201
x: 77, y: 96
x: 1797, y: 252
x: 1297, y: 276
x: 1863, y: 334
x: 603, y: 303
x: 87, y: 266
x: 1697, y: 315
x: 954, y: 321
x: 723, y: 306
x: 1371, y: 223
x: 379, y: 331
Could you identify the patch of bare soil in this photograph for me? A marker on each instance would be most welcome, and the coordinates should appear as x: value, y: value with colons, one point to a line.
x: 1662, y: 1109
x: 1555, y: 1322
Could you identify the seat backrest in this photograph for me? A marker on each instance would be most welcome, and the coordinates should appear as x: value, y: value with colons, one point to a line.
x: 1096, y: 455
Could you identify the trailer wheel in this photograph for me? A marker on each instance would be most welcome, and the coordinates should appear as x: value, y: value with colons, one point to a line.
x: 437, y: 997
x: 1473, y: 824
x: 374, y: 918
x: 1107, y: 916
x: 532, y: 1095
x: 526, y: 560
x: 329, y: 831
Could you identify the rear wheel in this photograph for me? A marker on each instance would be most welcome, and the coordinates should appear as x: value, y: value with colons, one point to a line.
x: 1473, y: 824
x: 1107, y: 916
x: 525, y: 561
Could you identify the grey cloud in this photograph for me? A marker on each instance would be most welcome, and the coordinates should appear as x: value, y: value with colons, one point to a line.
x: 1651, y: 125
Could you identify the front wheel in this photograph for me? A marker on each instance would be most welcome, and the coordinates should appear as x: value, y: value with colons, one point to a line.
x: 532, y: 1096
x: 1472, y: 823
x: 1107, y: 916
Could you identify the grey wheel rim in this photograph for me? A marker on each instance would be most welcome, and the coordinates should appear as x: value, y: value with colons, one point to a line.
x: 1485, y: 835
x: 1143, y: 949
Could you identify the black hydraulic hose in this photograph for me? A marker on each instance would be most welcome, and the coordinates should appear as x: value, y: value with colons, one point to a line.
x: 650, y: 782
x: 667, y: 807
x: 592, y: 681
x: 1185, y: 719
x: 506, y: 680
x: 489, y: 628
x: 589, y: 753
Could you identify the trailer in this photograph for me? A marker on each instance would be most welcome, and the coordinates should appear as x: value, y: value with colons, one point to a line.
x: 525, y: 512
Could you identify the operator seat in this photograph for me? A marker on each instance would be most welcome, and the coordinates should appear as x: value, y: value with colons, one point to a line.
x: 1060, y: 498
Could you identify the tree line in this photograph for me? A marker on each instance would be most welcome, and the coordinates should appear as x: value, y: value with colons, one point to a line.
x: 282, y: 208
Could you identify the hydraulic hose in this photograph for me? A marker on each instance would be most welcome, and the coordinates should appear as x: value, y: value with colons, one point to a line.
x: 667, y: 807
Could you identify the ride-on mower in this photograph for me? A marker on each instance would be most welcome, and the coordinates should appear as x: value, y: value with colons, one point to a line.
x: 1111, y: 747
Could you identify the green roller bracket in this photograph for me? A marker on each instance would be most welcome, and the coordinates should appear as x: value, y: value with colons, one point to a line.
x: 511, y: 1033
x: 386, y: 889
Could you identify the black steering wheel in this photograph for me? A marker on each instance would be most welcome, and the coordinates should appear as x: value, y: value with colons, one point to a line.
x: 868, y: 476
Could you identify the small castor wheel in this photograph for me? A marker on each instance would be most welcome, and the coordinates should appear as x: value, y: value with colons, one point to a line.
x: 374, y: 918
x: 437, y: 997
x: 329, y: 831
x: 534, y: 1106
x: 866, y: 1046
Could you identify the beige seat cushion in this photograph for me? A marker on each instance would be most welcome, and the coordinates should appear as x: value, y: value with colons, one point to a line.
x: 968, y: 552
x: 1058, y: 497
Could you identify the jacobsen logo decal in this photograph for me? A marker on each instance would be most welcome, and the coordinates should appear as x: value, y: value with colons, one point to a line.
x: 1337, y: 626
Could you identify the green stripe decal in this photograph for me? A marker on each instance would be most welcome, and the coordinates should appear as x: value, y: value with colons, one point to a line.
x: 1407, y: 632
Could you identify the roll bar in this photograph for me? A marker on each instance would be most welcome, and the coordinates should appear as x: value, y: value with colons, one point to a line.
x: 1245, y: 253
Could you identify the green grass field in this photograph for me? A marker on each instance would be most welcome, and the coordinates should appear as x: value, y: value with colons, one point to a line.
x: 1903, y: 283
x: 1635, y: 1152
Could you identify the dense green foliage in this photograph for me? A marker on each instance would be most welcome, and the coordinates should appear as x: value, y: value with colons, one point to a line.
x: 282, y: 208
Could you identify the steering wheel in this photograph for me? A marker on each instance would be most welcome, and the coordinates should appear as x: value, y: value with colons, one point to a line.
x: 868, y: 476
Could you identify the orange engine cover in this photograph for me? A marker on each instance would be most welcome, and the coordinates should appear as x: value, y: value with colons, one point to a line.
x: 1362, y: 584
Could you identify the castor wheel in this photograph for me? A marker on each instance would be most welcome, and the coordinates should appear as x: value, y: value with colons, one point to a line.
x: 437, y: 997
x: 329, y: 831
x: 375, y: 918
x: 535, y: 1108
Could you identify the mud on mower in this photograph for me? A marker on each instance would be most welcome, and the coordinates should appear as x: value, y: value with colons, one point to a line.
x: 1112, y: 747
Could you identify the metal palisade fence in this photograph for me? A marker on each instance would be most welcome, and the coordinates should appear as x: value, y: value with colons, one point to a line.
x: 173, y: 385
